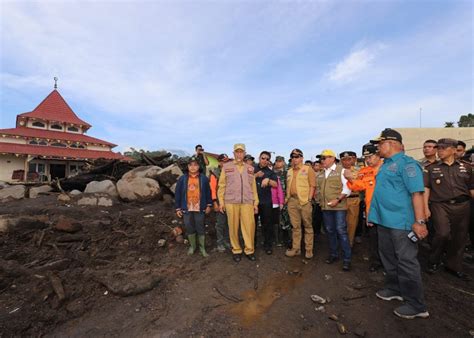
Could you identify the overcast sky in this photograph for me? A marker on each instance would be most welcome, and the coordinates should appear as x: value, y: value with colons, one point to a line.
x: 274, y: 75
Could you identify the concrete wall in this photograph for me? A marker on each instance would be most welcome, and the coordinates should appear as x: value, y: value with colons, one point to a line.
x: 9, y: 163
x: 413, y: 138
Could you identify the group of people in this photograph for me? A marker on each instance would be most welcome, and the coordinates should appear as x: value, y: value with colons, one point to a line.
x: 405, y: 201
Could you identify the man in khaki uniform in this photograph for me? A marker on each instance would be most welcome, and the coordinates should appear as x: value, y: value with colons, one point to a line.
x: 239, y: 199
x: 301, y: 183
x: 348, y: 159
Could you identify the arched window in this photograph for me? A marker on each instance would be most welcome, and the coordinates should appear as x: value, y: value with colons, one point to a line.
x: 73, y: 145
x: 57, y: 126
x: 38, y: 124
x: 81, y: 146
x: 33, y: 142
x: 57, y: 144
x: 74, y: 129
x: 43, y: 143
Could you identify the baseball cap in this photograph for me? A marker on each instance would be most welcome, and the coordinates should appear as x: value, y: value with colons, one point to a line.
x: 296, y: 151
x: 193, y: 159
x: 248, y: 157
x: 388, y: 134
x: 223, y: 157
x: 327, y: 153
x: 279, y: 158
x: 448, y: 142
x: 369, y: 149
x: 238, y: 146
x: 347, y: 154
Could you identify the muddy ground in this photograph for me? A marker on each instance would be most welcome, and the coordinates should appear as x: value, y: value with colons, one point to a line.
x: 88, y: 271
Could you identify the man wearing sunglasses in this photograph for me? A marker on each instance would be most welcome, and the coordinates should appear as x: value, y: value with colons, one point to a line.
x: 265, y: 179
x: 332, y: 193
x: 301, y: 184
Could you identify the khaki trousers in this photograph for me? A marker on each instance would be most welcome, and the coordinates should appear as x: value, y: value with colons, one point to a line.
x: 301, y: 215
x: 352, y: 217
x: 243, y: 215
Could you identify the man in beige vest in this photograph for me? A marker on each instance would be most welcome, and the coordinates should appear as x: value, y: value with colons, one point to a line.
x: 301, y: 183
x: 239, y: 199
x: 332, y: 193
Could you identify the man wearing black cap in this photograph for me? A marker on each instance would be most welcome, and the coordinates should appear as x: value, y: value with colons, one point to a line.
x: 348, y: 159
x: 202, y: 158
x: 301, y: 183
x: 365, y: 181
x: 249, y: 159
x: 449, y: 187
x: 397, y: 209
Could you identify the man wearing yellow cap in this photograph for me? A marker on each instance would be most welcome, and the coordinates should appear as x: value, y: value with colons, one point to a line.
x: 239, y: 199
x: 301, y: 183
x: 332, y: 193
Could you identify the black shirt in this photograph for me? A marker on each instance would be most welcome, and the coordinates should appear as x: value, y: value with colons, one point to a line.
x: 265, y: 194
x: 447, y: 182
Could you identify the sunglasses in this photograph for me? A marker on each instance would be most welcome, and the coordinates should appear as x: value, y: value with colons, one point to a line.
x: 295, y: 156
x: 265, y: 158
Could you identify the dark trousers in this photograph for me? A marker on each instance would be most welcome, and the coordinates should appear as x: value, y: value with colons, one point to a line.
x: 265, y: 214
x: 399, y: 258
x: 336, y: 227
x: 374, y: 256
x: 222, y: 229
x: 451, y: 224
x: 362, y: 219
x: 471, y: 224
x: 194, y: 222
x: 317, y: 219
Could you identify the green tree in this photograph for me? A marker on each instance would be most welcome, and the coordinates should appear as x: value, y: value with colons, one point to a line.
x: 449, y: 124
x: 466, y: 120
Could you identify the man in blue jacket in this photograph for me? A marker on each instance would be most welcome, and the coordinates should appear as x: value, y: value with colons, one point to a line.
x: 193, y: 201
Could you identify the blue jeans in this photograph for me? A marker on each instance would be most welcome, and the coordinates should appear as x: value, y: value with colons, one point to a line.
x: 336, y: 226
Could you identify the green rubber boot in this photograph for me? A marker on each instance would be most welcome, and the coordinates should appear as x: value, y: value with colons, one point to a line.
x: 192, y: 244
x: 202, y: 246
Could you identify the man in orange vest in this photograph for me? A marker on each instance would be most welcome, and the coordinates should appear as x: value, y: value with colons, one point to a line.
x: 239, y: 199
x: 366, y: 182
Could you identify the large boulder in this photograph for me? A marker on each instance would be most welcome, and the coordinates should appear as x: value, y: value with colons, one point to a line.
x: 138, y: 188
x: 169, y: 176
x: 35, y: 191
x: 149, y: 171
x: 12, y: 192
x: 102, y: 187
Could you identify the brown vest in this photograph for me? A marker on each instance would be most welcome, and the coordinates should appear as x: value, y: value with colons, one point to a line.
x: 238, y: 187
x: 330, y: 188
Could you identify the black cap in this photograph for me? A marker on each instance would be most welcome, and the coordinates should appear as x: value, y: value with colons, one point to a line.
x: 193, y: 159
x: 223, y: 157
x: 388, y: 134
x: 279, y: 158
x: 347, y: 154
x: 248, y: 157
x: 198, y: 146
x: 296, y: 151
x: 369, y: 149
x: 448, y: 142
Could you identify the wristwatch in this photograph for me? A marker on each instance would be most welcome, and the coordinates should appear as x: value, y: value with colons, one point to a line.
x: 421, y: 221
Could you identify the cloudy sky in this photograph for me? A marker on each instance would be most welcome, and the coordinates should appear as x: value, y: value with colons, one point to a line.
x: 272, y: 74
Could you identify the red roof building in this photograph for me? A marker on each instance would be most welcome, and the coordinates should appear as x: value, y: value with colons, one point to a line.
x: 49, y: 142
